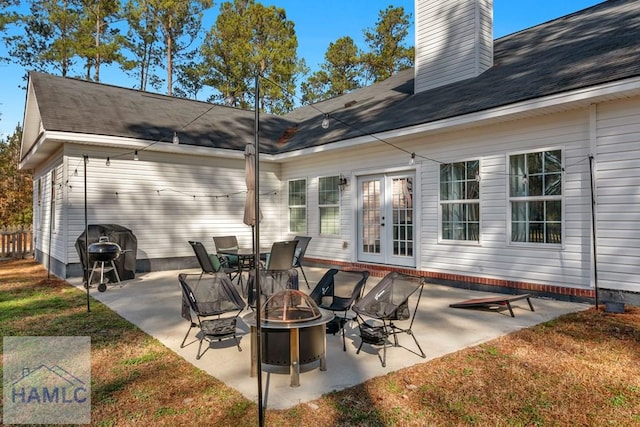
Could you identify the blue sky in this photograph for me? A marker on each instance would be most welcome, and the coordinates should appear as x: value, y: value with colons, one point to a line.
x: 317, y: 24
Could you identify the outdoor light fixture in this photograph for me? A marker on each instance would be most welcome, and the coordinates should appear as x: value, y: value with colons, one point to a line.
x: 325, y: 121
x: 176, y: 140
x: 413, y: 159
x: 135, y: 155
x: 342, y: 182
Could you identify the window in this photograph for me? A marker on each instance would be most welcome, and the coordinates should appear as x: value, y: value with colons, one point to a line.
x: 328, y: 202
x: 53, y: 200
x: 460, y: 200
x: 39, y: 207
x: 298, y: 206
x: 535, y: 197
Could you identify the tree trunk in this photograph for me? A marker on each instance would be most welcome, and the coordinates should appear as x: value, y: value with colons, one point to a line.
x: 97, y: 65
x: 170, y: 58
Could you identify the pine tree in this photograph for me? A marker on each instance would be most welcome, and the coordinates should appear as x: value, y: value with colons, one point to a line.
x: 387, y: 56
x: 339, y: 74
x: 250, y: 39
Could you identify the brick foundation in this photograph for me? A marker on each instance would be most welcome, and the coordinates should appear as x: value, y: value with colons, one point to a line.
x: 469, y: 282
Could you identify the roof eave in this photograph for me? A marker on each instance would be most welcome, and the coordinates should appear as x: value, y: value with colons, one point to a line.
x: 49, y: 141
x: 534, y: 107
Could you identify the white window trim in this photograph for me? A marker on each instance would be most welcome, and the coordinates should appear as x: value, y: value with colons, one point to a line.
x: 336, y: 205
x: 306, y: 205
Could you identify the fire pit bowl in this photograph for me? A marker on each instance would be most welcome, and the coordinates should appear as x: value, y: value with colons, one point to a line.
x: 290, y: 306
x: 293, y: 331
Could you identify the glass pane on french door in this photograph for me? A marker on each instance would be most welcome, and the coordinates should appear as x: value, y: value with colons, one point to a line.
x: 402, y: 217
x: 371, y: 198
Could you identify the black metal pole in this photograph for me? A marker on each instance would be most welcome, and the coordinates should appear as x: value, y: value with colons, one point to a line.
x: 85, y: 267
x: 256, y: 251
x: 593, y: 230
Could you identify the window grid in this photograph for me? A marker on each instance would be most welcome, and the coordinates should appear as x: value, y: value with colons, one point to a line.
x: 460, y: 200
x: 328, y: 203
x: 298, y: 206
x: 535, y: 189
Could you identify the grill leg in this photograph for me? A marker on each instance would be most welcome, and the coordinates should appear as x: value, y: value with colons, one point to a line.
x: 93, y: 270
x: 115, y: 271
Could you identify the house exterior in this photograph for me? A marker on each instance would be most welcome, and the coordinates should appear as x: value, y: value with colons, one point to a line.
x: 508, y: 164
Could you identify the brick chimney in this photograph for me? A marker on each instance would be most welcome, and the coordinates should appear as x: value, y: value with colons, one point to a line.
x: 454, y: 41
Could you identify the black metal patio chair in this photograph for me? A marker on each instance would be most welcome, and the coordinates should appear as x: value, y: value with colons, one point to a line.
x: 271, y: 282
x: 212, y: 304
x: 225, y: 243
x: 298, y: 257
x: 337, y: 291
x: 385, y: 304
x: 211, y: 263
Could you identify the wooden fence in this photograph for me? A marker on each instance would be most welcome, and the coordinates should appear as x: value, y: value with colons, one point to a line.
x: 16, y: 242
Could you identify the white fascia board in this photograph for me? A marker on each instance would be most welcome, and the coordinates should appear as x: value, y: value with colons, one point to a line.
x: 539, y: 106
x: 140, y: 144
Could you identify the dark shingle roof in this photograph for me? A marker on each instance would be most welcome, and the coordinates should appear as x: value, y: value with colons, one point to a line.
x: 73, y: 105
x: 597, y: 45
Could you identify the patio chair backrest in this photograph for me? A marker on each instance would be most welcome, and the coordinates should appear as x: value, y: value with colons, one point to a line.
x: 389, y: 298
x: 225, y: 242
x: 205, y: 261
x: 281, y: 256
x: 210, y: 295
x: 301, y: 249
x: 345, y: 285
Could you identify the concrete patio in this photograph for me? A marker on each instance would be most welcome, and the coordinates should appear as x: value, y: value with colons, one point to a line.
x: 152, y: 301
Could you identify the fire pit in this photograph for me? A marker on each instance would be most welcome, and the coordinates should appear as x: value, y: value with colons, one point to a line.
x: 293, y: 333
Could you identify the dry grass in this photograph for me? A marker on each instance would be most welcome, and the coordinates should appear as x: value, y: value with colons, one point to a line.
x: 580, y: 370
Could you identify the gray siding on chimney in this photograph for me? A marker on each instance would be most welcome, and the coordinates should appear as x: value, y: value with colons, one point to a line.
x: 454, y: 41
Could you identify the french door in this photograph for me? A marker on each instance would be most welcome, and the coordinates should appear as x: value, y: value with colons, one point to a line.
x: 386, y: 232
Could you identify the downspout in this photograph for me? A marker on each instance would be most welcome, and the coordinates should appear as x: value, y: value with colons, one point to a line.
x: 594, y: 237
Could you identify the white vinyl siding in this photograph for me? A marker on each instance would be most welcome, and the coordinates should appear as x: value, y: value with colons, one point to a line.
x: 454, y: 41
x: 50, y: 216
x: 616, y: 162
x: 168, y: 199
x: 494, y: 257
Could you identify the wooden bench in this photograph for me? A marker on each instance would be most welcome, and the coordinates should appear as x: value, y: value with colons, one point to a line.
x: 494, y: 302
